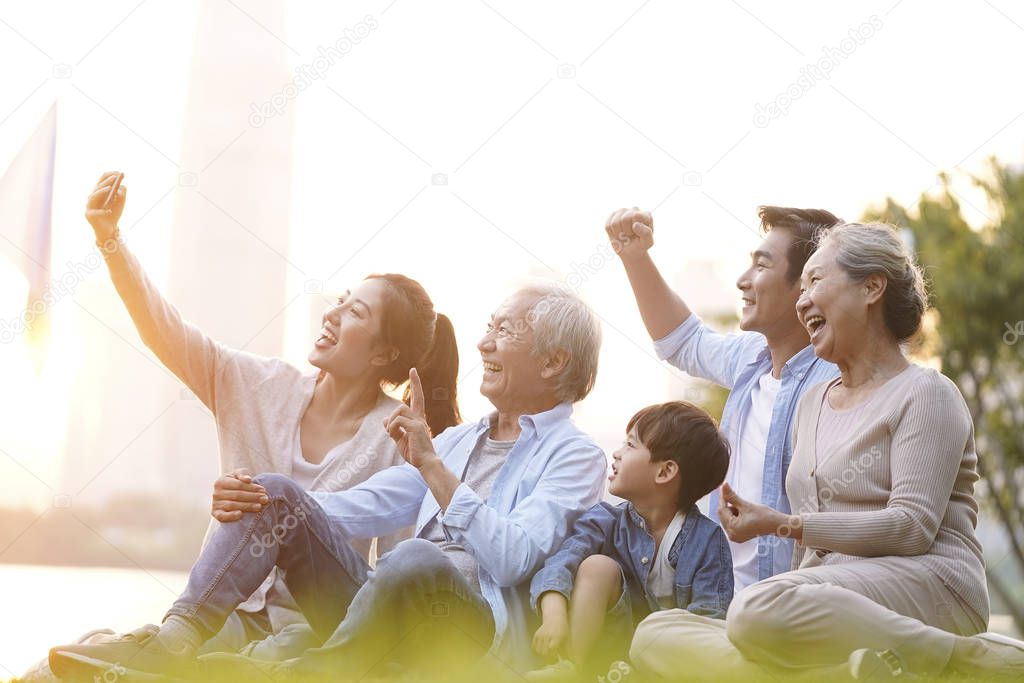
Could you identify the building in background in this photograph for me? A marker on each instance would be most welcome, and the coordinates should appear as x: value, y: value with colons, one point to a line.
x: 715, y: 300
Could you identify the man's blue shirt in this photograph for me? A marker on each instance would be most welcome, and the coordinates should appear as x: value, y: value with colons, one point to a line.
x: 736, y: 362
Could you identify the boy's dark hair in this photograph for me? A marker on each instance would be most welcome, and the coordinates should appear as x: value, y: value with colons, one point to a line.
x: 686, y: 434
x: 803, y: 225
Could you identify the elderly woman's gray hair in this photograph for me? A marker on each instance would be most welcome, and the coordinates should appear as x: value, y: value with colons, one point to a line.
x: 864, y: 249
x: 561, y: 320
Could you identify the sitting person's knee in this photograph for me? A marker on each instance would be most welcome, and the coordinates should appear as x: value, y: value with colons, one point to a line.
x: 598, y: 568
x: 276, y: 484
x: 411, y: 557
x: 756, y: 616
x: 647, y: 633
x: 599, y: 577
x: 412, y: 550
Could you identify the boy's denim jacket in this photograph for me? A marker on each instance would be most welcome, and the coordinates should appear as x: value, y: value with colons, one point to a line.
x: 700, y: 554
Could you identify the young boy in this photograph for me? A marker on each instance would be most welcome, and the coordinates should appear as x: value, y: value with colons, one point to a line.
x: 654, y: 551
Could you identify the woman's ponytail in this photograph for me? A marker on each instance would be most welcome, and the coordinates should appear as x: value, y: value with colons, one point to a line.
x: 425, y: 340
x: 439, y: 371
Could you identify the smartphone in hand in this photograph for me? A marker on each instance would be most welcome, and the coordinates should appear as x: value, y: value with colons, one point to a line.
x: 113, y: 190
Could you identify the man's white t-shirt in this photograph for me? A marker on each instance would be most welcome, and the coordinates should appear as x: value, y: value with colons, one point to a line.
x: 746, y: 471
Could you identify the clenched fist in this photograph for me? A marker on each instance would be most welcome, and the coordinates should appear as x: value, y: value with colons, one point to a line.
x: 631, y: 232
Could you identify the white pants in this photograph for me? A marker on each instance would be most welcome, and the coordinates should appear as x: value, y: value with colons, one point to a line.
x: 812, y: 618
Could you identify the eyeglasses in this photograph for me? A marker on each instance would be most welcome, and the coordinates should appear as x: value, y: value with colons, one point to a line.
x: 506, y: 331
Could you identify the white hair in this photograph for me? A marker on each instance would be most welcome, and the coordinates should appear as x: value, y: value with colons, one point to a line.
x: 876, y: 248
x: 561, y: 320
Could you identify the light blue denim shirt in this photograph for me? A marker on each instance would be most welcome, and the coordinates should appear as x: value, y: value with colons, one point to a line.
x: 736, y: 362
x: 552, y: 475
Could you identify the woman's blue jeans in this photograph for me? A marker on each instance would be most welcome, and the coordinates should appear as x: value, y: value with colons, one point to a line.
x: 415, y: 604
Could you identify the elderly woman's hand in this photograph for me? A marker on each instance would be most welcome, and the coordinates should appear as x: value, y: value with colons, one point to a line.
x: 743, y: 520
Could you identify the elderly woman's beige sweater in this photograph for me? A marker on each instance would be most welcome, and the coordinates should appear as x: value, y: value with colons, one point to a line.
x: 257, y: 402
x: 900, y: 482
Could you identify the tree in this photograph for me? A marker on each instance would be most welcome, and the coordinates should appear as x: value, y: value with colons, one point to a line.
x: 976, y: 278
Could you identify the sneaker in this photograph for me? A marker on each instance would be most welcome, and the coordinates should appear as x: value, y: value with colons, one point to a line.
x: 997, y: 657
x: 562, y: 670
x: 140, y: 653
x: 878, y: 665
x: 40, y: 671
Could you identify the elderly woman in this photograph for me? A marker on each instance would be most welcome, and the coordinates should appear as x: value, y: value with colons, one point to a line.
x: 490, y: 500
x: 890, y: 576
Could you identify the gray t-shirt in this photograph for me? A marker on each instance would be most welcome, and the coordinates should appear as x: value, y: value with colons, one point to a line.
x: 481, y: 471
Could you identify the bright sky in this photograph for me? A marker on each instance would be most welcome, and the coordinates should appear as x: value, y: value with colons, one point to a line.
x: 543, y: 118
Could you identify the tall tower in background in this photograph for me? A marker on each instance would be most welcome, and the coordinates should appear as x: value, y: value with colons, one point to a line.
x: 133, y: 428
x: 229, y: 263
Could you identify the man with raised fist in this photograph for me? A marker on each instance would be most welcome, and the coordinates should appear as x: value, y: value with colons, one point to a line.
x: 766, y: 367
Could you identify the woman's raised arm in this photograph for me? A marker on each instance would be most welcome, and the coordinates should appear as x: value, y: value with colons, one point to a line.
x: 180, y: 346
